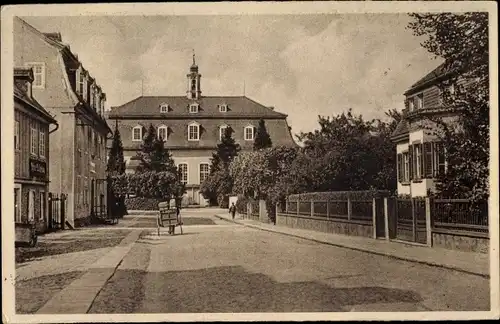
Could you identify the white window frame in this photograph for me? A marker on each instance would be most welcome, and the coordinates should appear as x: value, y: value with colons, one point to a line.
x: 406, y: 166
x: 420, y: 101
x: 195, y: 106
x: 164, y: 108
x: 18, y: 216
x: 222, y: 129
x: 199, y: 171
x: 34, y: 141
x: 166, y: 132
x: 17, y: 134
x: 43, y: 205
x: 418, y: 161
x: 31, y: 205
x: 197, y: 132
x: 245, y: 133
x: 411, y: 104
x: 80, y: 82
x: 33, y: 66
x: 182, y: 174
x: 140, y: 134
x: 223, y: 108
x: 41, y: 144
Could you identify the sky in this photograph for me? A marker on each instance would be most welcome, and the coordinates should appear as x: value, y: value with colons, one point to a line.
x: 303, y: 65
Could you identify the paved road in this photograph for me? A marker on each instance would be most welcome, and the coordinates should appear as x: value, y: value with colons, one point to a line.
x: 223, y: 267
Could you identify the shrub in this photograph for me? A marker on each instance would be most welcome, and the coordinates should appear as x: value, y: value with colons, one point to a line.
x: 223, y: 201
x: 241, y: 204
x: 339, y: 195
x: 141, y: 203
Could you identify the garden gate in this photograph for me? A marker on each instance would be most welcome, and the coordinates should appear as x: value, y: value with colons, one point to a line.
x: 411, y: 222
x: 57, y: 211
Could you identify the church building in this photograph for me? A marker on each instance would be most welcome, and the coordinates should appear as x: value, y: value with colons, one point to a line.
x: 192, y: 125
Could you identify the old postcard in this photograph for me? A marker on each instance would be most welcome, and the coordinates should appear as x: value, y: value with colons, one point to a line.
x: 250, y: 161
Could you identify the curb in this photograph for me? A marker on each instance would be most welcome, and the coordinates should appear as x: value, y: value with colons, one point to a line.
x: 432, y: 264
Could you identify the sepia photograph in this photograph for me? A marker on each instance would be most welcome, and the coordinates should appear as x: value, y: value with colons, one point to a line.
x: 250, y: 161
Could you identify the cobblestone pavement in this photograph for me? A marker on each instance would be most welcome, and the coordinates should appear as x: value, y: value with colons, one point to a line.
x: 217, y: 266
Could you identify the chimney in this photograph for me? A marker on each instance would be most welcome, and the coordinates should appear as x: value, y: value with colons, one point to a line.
x: 271, y: 107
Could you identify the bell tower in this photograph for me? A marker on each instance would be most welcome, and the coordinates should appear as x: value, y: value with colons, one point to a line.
x: 194, y: 84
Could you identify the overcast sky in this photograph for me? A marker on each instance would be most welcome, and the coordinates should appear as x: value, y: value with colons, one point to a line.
x: 305, y: 66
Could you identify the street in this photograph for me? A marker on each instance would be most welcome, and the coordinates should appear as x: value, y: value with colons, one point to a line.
x: 218, y: 266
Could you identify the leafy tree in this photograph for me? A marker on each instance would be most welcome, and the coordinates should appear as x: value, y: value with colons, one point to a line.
x: 262, y: 139
x: 116, y: 162
x: 154, y: 156
x: 462, y: 41
x: 218, y: 184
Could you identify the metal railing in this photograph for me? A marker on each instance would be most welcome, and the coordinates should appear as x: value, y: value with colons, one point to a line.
x: 460, y: 215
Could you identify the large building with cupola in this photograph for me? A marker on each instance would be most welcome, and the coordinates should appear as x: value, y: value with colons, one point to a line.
x: 192, y: 125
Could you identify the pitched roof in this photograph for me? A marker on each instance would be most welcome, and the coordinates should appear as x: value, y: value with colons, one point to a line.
x: 208, y: 107
x: 401, y: 128
x: 435, y: 74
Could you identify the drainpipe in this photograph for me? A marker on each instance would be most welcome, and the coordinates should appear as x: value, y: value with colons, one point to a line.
x: 57, y: 127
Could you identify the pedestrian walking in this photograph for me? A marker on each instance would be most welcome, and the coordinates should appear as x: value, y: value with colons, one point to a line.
x: 232, y: 210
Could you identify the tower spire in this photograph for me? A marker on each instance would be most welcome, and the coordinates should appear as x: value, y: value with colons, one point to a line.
x: 194, y: 61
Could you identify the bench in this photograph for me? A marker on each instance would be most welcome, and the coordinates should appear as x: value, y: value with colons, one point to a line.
x: 169, y: 216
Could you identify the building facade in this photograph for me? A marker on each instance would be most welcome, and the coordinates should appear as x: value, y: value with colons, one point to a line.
x: 32, y: 125
x: 192, y: 125
x: 70, y: 94
x: 420, y: 155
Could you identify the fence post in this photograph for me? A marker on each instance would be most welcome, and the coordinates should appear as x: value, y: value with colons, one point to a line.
x: 428, y: 219
x: 414, y: 219
x: 298, y: 206
x: 328, y: 208
x: 63, y: 210
x: 386, y: 218
x: 312, y: 208
x: 349, y: 209
x: 374, y: 217
x: 286, y: 205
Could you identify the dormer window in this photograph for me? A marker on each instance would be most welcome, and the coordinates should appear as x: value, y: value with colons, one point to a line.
x: 222, y: 108
x: 164, y: 108
x: 163, y: 132
x: 419, y: 101
x: 249, y: 133
x: 81, y: 82
x: 194, y: 132
x: 38, y: 74
x: 193, y: 108
x: 137, y: 133
x: 411, y: 105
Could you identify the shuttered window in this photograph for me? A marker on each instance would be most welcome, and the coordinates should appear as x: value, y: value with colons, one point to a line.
x: 427, y: 159
x: 400, y: 167
x: 406, y: 167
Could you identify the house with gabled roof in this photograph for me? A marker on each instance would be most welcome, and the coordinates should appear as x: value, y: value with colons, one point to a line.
x: 68, y: 92
x: 420, y: 155
x: 192, y: 125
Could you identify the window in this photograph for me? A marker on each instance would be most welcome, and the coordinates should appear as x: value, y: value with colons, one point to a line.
x: 417, y: 161
x: 249, y: 133
x: 193, y: 108
x: 137, y: 133
x: 223, y: 108
x: 41, y: 144
x: 183, y: 168
x: 222, y: 131
x: 193, y: 84
x: 411, y: 105
x: 42, y: 205
x: 406, y: 167
x: 34, y: 143
x: 204, y: 171
x: 16, y: 135
x: 163, y: 108
x: 440, y: 163
x: 81, y: 82
x: 17, y: 205
x: 38, y: 74
x: 163, y: 132
x: 194, y: 132
x: 31, y: 205
x: 419, y: 101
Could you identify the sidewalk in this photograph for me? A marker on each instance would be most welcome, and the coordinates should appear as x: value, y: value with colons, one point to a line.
x: 469, y: 262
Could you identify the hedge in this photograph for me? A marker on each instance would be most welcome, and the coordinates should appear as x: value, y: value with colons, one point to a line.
x: 141, y: 203
x: 340, y: 195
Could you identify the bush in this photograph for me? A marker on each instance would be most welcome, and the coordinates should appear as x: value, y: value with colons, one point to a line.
x: 223, y: 201
x: 241, y: 204
x: 339, y: 195
x: 141, y: 203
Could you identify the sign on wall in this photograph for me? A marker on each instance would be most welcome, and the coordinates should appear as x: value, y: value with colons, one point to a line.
x: 38, y: 168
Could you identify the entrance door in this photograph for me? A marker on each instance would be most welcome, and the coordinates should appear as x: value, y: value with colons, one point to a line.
x: 17, y: 204
x: 31, y: 206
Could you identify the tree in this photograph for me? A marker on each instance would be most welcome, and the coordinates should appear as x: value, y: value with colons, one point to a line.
x: 462, y: 41
x: 218, y: 184
x: 154, y: 156
x: 116, y: 162
x: 262, y: 139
